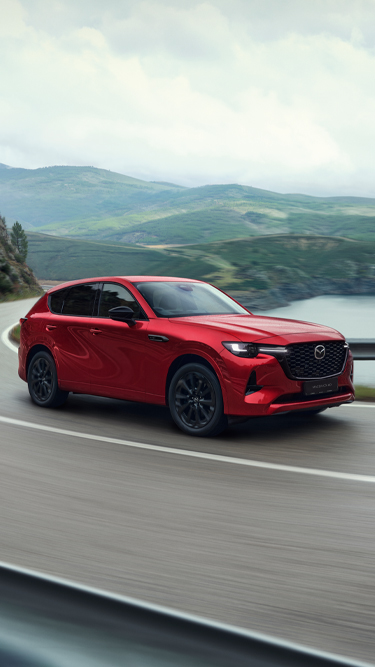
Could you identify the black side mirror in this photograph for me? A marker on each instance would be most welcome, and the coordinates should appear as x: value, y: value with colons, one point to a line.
x: 122, y: 314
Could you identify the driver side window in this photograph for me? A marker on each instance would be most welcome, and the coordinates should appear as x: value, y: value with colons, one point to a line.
x: 114, y: 295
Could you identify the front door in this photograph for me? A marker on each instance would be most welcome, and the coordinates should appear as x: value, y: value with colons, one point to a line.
x: 119, y: 351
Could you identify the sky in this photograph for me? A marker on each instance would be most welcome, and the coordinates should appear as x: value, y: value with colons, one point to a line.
x: 277, y: 94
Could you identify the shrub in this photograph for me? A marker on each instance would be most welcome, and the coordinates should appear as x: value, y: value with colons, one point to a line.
x: 7, y: 246
x: 5, y: 283
x: 27, y: 279
x: 5, y: 267
x: 15, y: 333
x: 14, y: 277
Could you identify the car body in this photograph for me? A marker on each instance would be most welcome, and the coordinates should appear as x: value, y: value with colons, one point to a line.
x: 256, y: 365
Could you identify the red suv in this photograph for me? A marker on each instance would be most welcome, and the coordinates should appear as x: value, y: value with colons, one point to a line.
x: 181, y: 343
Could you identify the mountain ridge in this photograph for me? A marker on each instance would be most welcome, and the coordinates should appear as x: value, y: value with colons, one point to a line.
x: 92, y: 203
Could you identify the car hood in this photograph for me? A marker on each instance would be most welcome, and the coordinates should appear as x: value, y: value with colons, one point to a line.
x: 257, y: 327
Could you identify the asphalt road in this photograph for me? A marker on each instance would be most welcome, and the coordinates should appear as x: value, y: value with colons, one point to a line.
x: 271, y: 549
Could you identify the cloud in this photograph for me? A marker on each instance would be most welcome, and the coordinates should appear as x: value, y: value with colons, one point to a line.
x: 12, y: 19
x: 192, y: 92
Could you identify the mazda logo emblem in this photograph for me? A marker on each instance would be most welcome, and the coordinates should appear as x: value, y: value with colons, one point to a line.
x: 320, y: 352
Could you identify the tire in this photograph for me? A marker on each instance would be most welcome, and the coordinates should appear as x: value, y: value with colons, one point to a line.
x: 43, y: 383
x: 196, y: 402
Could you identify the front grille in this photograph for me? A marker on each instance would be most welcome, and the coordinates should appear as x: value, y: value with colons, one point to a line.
x: 303, y: 365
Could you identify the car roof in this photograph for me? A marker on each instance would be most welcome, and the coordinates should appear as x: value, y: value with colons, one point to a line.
x: 131, y: 279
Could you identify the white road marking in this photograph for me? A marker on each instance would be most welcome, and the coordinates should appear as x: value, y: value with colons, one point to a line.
x: 5, y: 338
x: 192, y: 454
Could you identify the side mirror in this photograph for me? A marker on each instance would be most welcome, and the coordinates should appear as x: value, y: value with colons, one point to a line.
x: 122, y: 314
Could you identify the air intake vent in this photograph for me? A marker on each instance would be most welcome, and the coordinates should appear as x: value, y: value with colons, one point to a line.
x: 252, y: 386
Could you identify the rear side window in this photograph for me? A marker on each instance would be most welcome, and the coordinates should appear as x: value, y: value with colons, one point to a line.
x: 114, y: 295
x: 80, y: 300
x: 56, y: 300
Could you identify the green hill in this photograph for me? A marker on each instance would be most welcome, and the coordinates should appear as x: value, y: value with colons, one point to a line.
x: 261, y: 272
x: 39, y: 197
x: 84, y: 202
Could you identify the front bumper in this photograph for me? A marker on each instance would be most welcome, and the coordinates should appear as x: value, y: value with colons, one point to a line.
x: 278, y: 393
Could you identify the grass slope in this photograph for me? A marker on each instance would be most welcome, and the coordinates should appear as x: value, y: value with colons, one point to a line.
x: 264, y: 262
x: 260, y: 263
x: 68, y: 259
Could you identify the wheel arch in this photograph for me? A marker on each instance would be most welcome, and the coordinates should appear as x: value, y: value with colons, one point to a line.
x: 188, y: 359
x: 34, y: 350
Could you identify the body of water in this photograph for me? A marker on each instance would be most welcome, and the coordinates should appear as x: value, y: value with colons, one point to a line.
x: 353, y: 316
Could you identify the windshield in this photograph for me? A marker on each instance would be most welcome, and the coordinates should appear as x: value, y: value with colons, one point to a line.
x: 179, y: 299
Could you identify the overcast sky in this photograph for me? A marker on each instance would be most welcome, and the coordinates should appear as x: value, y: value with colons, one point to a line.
x: 278, y: 94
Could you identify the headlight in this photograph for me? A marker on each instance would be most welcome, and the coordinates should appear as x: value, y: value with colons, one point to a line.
x: 252, y: 350
x: 242, y: 349
x: 278, y: 351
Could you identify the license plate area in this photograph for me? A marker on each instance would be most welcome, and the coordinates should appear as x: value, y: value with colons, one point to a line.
x: 323, y: 386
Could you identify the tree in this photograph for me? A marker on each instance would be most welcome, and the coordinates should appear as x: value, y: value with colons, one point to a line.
x: 19, y: 240
x: 3, y: 228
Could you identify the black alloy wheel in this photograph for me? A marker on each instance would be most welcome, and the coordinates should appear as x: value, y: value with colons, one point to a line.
x: 43, y: 383
x: 196, y: 401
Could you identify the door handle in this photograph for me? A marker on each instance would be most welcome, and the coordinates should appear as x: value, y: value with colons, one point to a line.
x: 158, y: 339
x: 50, y: 327
x: 95, y: 331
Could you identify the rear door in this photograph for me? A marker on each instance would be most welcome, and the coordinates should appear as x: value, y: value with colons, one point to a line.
x: 69, y: 327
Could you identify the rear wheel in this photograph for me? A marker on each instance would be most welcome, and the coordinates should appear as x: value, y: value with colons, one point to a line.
x: 196, y: 401
x: 42, y: 382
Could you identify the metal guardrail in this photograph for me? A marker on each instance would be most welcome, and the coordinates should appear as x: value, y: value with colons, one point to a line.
x: 363, y: 349
x: 46, y: 621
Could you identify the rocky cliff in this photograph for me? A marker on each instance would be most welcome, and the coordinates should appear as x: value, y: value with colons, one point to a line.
x: 17, y: 280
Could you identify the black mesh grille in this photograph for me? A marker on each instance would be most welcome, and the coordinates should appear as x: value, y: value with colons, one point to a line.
x: 303, y: 364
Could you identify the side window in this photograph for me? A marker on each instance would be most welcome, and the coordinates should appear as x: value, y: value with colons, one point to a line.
x: 56, y: 300
x: 116, y: 295
x: 80, y: 300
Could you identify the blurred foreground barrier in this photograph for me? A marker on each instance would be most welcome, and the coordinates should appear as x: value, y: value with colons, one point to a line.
x: 49, y: 622
x: 363, y: 349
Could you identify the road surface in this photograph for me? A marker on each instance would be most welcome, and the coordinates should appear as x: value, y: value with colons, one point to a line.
x: 269, y: 527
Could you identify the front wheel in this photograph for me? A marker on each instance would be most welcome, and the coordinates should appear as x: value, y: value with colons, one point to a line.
x: 196, y: 401
x: 42, y: 382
